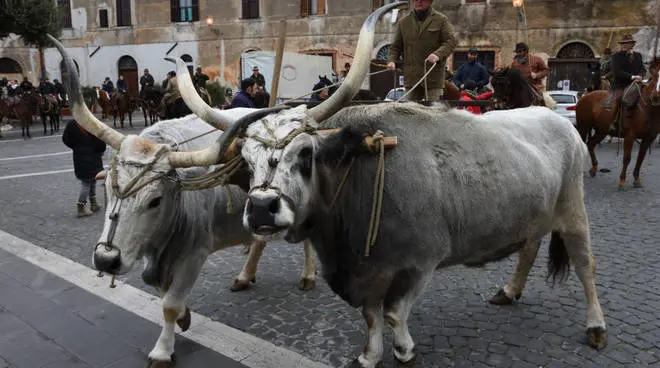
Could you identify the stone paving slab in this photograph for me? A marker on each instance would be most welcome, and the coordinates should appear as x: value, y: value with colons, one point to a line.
x: 47, y: 322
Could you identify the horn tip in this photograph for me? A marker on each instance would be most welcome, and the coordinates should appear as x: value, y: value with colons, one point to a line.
x: 171, y: 60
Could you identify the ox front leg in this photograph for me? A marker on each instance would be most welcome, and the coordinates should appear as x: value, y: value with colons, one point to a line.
x: 249, y: 272
x: 526, y: 258
x: 175, y: 311
x: 373, y: 351
x: 308, y: 276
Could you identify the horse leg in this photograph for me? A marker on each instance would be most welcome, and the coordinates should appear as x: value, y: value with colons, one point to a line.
x: 130, y: 118
x: 628, y: 142
x: 43, y: 121
x: 591, y: 146
x: 646, y: 143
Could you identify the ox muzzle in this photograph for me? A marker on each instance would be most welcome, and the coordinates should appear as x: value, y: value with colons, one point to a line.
x: 263, y: 211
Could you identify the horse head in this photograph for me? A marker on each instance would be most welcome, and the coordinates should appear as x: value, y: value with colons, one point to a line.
x: 652, y: 90
x: 511, y: 88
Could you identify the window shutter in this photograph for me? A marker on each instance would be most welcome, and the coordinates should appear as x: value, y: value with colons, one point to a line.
x: 245, y: 13
x: 375, y: 4
x: 195, y: 10
x: 254, y: 8
x: 304, y: 8
x: 174, y: 10
x: 320, y: 7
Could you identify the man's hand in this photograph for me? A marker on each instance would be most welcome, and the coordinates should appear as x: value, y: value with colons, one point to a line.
x: 391, y: 65
x: 637, y: 78
x: 432, y: 58
x: 533, y: 75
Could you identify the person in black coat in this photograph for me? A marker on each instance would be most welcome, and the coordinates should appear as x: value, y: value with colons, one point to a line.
x: 87, y: 162
x: 627, y: 67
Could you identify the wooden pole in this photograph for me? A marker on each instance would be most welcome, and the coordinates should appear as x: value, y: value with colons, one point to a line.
x: 278, y: 63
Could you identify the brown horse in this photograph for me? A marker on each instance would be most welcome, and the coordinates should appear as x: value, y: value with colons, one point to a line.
x: 49, y: 108
x: 148, y: 102
x: 21, y: 108
x: 103, y: 100
x: 512, y: 90
x: 121, y: 104
x: 643, y: 124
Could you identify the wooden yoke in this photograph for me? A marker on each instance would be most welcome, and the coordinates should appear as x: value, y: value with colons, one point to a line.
x: 389, y: 142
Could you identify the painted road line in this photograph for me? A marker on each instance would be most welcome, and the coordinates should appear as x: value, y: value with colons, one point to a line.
x: 35, y: 174
x: 35, y: 156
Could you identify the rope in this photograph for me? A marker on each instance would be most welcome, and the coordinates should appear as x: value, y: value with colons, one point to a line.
x: 379, y: 186
x: 420, y: 81
x: 341, y: 183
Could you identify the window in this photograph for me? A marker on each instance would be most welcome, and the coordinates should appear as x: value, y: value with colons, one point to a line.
x: 64, y: 12
x: 123, y: 13
x: 564, y: 99
x: 474, y: 1
x: 250, y: 9
x: 184, y: 10
x: 103, y: 18
x: 189, y: 62
x: 312, y: 7
x: 486, y: 58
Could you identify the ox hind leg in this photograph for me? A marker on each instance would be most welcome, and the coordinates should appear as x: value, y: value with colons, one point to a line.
x: 571, y: 242
x: 175, y: 311
x: 514, y: 288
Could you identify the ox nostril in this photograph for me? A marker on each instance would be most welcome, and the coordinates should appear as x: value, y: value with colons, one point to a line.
x: 274, y: 206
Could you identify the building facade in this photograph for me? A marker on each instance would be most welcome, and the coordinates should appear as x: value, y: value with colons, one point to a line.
x: 112, y: 37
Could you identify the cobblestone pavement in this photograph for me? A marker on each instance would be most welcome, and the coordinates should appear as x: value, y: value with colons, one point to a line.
x: 452, y: 323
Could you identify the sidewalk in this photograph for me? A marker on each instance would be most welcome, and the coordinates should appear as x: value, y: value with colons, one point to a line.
x: 47, y: 322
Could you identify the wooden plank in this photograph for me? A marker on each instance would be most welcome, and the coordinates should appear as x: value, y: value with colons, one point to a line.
x: 278, y: 63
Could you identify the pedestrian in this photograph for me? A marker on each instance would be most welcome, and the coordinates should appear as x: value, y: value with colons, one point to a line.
x: 428, y: 39
x: 87, y: 162
x: 245, y: 98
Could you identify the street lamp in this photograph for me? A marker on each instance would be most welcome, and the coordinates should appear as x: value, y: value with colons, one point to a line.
x: 209, y: 20
x: 520, y: 5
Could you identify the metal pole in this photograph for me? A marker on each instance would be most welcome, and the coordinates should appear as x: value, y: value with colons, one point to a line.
x: 278, y: 64
x: 523, y: 21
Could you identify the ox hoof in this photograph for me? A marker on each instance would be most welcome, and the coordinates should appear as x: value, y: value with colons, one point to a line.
x: 184, y: 322
x: 307, y: 284
x: 404, y: 359
x: 355, y: 363
x: 152, y: 363
x: 242, y: 285
x: 502, y: 299
x: 597, y: 337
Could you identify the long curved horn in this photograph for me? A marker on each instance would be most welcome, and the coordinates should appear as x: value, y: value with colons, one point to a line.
x: 222, y: 151
x: 359, y: 69
x: 81, y: 113
x: 214, y: 117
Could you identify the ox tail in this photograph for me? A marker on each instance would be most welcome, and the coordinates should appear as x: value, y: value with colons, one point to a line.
x: 558, y: 260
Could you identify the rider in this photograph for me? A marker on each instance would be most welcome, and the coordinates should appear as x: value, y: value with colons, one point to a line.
x: 473, y: 71
x: 606, y: 67
x: 26, y: 85
x: 627, y: 68
x: 200, y: 78
x: 121, y: 84
x: 530, y: 66
x: 427, y: 36
x: 108, y: 86
x: 171, y: 90
x: 59, y: 90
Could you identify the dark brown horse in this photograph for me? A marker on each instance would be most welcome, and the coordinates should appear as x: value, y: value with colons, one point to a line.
x: 643, y: 123
x: 512, y: 90
x: 21, y: 108
x: 121, y: 104
x: 148, y: 102
x: 49, y: 108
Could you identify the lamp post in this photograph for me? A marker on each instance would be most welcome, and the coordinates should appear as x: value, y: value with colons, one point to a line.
x: 522, y: 19
x: 220, y: 48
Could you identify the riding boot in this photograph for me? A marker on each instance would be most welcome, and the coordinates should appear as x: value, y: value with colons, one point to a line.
x: 82, y: 211
x: 94, y: 205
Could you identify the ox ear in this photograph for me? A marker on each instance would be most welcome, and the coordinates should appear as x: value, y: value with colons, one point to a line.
x: 337, y: 149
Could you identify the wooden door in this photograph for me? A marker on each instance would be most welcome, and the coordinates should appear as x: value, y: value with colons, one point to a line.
x: 131, y: 80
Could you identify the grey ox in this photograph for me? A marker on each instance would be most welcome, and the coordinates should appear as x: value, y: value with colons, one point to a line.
x: 460, y: 189
x: 149, y: 217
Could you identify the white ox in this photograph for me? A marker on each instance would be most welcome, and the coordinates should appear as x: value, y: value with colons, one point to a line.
x: 459, y: 189
x: 149, y: 217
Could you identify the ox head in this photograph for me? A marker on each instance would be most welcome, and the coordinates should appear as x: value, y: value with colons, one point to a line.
x: 141, y: 188
x: 282, y: 148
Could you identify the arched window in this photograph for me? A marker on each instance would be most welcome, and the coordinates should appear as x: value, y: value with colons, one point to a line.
x: 384, y: 52
x: 189, y: 62
x: 575, y: 50
x: 10, y: 66
x: 63, y: 72
x: 127, y: 62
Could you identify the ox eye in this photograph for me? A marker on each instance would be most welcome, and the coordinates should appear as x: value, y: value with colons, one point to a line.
x: 154, y: 203
x: 305, y: 161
